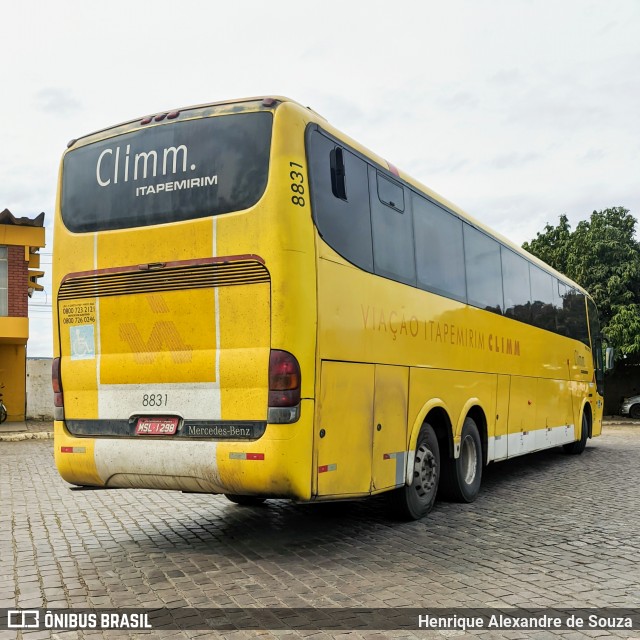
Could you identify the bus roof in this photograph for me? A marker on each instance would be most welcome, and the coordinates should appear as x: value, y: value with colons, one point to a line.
x: 270, y: 103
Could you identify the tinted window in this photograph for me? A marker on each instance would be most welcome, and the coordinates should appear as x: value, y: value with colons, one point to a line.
x: 594, y: 329
x: 167, y: 173
x: 516, y: 286
x: 344, y: 224
x: 594, y: 323
x: 392, y: 236
x: 439, y: 249
x: 390, y: 193
x: 384, y: 227
x: 559, y: 293
x: 575, y: 314
x: 543, y: 313
x: 483, y: 269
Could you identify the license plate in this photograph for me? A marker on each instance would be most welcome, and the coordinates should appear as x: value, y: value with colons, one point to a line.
x: 156, y: 426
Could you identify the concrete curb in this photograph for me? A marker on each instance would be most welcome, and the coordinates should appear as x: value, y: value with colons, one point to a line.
x: 621, y: 423
x: 28, y: 435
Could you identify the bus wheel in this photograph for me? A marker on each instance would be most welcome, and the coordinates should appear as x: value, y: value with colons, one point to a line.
x: 415, y: 501
x: 462, y: 476
x: 577, y: 447
x: 245, y: 501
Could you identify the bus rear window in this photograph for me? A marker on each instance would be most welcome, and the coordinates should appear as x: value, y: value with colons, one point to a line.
x: 167, y: 173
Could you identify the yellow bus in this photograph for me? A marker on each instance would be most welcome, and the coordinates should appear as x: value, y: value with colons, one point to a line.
x: 250, y: 303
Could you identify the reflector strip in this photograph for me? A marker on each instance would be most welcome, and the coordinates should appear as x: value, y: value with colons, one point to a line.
x: 246, y: 456
x: 399, y: 457
x: 327, y: 467
x: 73, y: 449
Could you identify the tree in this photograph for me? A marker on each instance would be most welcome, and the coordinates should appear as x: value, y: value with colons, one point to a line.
x: 603, y: 256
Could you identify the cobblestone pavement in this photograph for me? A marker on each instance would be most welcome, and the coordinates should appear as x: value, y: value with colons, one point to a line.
x: 548, y: 530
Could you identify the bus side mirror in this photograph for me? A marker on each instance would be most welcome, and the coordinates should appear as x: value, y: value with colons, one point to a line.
x: 608, y: 359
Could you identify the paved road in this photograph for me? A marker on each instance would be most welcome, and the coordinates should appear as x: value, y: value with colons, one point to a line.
x: 548, y: 530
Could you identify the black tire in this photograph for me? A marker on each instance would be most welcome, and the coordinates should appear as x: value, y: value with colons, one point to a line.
x: 3, y: 413
x: 245, y: 501
x: 462, y: 476
x: 634, y: 412
x: 415, y: 501
x: 577, y: 447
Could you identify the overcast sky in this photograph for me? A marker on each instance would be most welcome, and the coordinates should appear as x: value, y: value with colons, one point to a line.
x: 516, y: 110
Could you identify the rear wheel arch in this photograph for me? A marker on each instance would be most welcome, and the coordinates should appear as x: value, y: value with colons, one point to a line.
x: 435, y: 414
x: 441, y: 424
x: 578, y: 446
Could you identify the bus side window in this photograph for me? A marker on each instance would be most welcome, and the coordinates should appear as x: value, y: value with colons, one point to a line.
x: 439, y: 249
x: 390, y: 193
x: 484, y: 270
x: 559, y: 293
x: 393, y: 247
x: 542, y: 309
x: 594, y: 328
x: 576, y: 314
x: 516, y: 286
x: 345, y: 225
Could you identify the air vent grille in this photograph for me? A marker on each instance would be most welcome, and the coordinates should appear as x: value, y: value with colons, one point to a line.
x: 163, y: 278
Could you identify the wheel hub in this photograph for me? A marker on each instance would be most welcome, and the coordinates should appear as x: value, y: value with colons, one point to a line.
x: 425, y: 471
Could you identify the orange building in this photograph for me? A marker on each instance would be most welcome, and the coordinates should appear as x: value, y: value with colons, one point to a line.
x: 20, y: 239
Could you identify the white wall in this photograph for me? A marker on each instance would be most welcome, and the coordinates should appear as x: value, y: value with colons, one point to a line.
x: 39, y: 391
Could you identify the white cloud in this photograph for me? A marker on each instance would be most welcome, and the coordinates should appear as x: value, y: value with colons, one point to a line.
x: 57, y: 100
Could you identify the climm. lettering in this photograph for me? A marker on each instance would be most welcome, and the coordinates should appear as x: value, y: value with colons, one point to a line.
x: 500, y: 344
x: 111, y: 167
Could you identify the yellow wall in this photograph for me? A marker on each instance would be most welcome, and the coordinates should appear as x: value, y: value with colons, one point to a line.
x: 14, y: 331
x: 12, y: 376
x: 22, y: 235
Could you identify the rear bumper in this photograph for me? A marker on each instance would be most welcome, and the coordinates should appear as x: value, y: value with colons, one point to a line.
x: 279, y: 464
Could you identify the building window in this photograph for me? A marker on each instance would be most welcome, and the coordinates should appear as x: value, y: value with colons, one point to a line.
x: 4, y: 281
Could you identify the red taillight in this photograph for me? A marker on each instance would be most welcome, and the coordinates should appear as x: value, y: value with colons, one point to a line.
x: 56, y: 383
x: 284, y: 379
